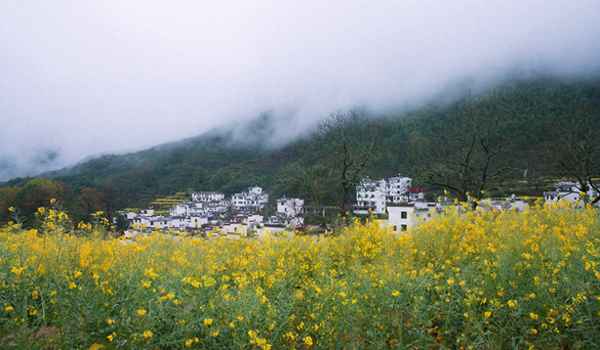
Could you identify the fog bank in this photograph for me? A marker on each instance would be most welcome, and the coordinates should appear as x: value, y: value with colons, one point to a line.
x: 82, y: 78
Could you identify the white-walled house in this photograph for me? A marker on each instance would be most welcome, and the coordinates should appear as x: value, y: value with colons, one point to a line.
x: 371, y: 196
x: 208, y: 202
x: 235, y: 228
x: 141, y: 220
x: 255, y: 190
x: 147, y: 212
x: 208, y: 196
x: 290, y: 207
x: 510, y: 203
x: 196, y: 222
x: 253, y: 199
x: 181, y: 209
x: 415, y: 194
x: 254, y: 219
x: 159, y: 222
x: 262, y: 231
x: 177, y: 223
x: 398, y: 188
x: 402, y: 217
x: 568, y: 191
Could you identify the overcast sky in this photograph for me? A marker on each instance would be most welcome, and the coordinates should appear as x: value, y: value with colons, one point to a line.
x: 88, y: 77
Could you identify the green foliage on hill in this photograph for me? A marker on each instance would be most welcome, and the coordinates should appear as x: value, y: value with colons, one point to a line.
x: 524, y: 116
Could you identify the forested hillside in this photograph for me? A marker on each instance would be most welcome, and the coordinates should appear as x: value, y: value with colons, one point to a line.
x: 507, y: 139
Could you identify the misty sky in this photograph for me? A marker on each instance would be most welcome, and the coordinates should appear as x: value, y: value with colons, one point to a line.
x: 88, y: 77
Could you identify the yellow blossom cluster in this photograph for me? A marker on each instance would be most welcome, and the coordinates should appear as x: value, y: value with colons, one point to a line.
x: 466, y: 279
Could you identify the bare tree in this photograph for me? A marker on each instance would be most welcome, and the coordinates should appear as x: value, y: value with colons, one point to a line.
x: 350, y: 140
x: 465, y: 152
x: 576, y: 151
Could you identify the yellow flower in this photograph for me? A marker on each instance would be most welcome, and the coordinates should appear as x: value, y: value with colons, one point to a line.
x: 396, y: 293
x: 72, y: 285
x: 450, y: 281
x: 207, y: 322
x: 8, y: 308
x: 110, y: 321
x: 533, y: 331
x: 96, y: 346
x: 214, y: 333
x: 141, y: 312
x: 533, y: 316
x: 148, y: 334
x: 487, y: 314
x: 189, y: 343
x: 111, y: 336
x: 308, y: 340
x: 18, y: 271
x: 512, y: 304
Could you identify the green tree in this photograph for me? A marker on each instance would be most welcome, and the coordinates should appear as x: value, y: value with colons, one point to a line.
x: 37, y: 193
x: 8, y: 196
x: 91, y: 200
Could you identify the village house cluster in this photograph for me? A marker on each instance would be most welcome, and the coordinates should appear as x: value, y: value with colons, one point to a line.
x: 393, y: 201
x: 569, y: 191
x: 242, y: 214
x: 400, y: 206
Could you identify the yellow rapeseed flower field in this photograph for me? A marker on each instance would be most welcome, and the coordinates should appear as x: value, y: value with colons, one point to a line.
x: 464, y: 280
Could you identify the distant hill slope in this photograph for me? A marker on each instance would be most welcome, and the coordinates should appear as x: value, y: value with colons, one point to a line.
x: 213, y: 162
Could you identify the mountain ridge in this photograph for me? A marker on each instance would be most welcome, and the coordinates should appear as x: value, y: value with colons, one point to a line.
x: 217, y: 160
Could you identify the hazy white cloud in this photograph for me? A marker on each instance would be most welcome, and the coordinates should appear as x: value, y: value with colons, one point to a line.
x: 86, y: 77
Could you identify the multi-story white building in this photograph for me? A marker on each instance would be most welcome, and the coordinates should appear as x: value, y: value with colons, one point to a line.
x: 182, y: 209
x: 398, y: 189
x: 290, y: 207
x: 253, y: 199
x: 371, y: 197
x: 191, y: 209
x: 205, y: 196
